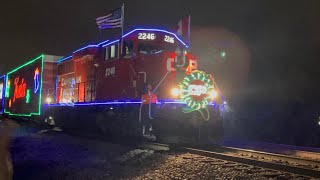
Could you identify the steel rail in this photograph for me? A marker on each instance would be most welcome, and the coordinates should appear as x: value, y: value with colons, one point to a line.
x: 227, y: 154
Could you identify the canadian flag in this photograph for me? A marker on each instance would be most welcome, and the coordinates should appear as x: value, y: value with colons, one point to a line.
x: 183, y: 28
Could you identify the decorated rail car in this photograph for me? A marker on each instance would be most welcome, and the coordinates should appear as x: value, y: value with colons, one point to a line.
x: 2, y: 90
x: 24, y: 87
x: 98, y: 88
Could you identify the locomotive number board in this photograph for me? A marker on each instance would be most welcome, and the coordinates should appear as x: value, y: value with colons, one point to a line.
x: 151, y: 36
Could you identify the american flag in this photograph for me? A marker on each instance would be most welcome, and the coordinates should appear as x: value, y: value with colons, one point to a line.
x: 112, y: 20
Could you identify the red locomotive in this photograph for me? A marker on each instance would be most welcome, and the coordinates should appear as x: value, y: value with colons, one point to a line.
x: 98, y: 88
x: 147, y: 56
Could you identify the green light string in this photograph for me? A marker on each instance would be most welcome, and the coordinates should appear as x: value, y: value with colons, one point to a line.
x: 7, y: 91
x: 200, y: 111
x: 208, y: 117
x: 28, y: 96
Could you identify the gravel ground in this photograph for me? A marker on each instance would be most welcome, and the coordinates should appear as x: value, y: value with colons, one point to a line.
x: 190, y: 166
x: 59, y: 156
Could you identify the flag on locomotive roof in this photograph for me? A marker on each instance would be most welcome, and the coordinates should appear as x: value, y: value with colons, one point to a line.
x: 112, y: 20
x: 183, y: 28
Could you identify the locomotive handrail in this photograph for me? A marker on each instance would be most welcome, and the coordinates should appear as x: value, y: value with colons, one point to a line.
x: 160, y: 82
x: 155, y: 91
x: 151, y: 95
x: 144, y: 76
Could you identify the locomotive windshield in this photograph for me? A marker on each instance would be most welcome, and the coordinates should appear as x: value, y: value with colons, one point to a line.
x: 149, y: 48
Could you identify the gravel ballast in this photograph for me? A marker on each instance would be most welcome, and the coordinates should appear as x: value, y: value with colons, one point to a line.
x: 56, y: 155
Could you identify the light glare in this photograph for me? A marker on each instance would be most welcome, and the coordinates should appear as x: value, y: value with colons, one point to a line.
x: 48, y: 100
x: 175, y: 92
x: 213, y: 94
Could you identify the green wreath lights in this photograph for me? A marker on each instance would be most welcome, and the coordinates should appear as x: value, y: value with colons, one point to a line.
x: 196, y: 89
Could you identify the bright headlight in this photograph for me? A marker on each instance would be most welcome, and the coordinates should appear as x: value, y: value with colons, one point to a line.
x: 48, y: 100
x: 175, y: 92
x: 213, y: 94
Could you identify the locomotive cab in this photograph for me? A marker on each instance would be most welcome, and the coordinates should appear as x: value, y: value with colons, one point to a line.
x: 159, y: 56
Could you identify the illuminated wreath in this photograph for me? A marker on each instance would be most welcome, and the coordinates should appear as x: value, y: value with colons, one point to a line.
x: 196, y: 88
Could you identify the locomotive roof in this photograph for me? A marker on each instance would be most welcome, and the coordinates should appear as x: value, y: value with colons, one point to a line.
x: 108, y: 42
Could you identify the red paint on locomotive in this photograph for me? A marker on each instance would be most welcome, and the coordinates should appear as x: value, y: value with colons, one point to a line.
x: 102, y: 73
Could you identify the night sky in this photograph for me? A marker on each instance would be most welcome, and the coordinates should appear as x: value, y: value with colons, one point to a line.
x: 281, y: 37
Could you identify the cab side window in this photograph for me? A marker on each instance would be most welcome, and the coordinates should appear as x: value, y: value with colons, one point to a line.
x: 111, y: 52
x: 127, y: 48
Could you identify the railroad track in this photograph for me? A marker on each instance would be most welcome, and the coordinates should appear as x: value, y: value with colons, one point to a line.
x: 305, y: 162
x: 268, y: 164
x: 307, y: 154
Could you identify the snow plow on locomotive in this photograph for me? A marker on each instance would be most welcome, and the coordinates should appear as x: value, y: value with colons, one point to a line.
x: 102, y: 88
